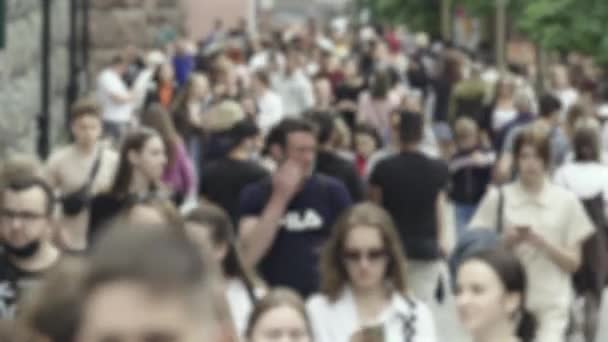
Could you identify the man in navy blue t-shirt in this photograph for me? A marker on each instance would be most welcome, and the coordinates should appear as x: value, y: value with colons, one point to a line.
x: 286, y: 219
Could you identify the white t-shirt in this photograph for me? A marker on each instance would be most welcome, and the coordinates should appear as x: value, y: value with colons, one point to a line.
x: 502, y: 117
x: 240, y: 304
x: 110, y: 84
x: 559, y: 217
x: 296, y: 92
x: 567, y: 97
x: 585, y: 179
x: 271, y: 111
x: 338, y: 321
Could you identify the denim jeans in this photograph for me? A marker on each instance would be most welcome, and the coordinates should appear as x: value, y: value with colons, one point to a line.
x: 463, y: 215
x: 195, y: 152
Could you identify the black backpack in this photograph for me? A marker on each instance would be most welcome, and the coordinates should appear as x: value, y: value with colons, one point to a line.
x: 592, y: 274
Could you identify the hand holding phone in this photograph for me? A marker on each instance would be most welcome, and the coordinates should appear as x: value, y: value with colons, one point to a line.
x: 369, y: 334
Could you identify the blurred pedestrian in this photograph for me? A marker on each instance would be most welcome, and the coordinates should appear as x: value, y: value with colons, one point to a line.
x: 491, y: 297
x: 545, y: 226
x: 79, y: 171
x: 280, y: 315
x: 287, y: 218
x: 363, y: 277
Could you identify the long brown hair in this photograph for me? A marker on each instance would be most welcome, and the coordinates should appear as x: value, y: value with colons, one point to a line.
x: 135, y: 141
x: 222, y: 232
x: 180, y: 104
x: 158, y: 118
x: 333, y: 271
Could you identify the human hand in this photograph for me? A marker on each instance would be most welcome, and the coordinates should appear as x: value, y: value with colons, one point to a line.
x: 530, y: 236
x: 512, y: 236
x: 287, y: 180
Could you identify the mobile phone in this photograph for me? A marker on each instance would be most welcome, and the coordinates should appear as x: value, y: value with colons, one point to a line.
x: 372, y: 334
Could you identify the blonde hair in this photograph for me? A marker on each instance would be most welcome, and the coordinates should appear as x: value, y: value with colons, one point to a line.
x: 465, y: 127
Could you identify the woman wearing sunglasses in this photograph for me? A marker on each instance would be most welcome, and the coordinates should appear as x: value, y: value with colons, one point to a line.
x: 363, y: 287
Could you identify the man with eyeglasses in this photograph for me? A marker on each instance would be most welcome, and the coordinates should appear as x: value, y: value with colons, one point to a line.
x: 26, y: 205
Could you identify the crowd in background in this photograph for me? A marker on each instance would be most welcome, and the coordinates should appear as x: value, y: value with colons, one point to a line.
x: 300, y: 184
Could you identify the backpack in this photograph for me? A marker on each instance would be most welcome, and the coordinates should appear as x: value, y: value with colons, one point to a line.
x: 591, y: 276
x: 476, y: 240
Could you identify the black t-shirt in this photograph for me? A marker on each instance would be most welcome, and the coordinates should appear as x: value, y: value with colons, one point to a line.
x: 13, y: 283
x: 410, y: 183
x: 293, y: 258
x: 331, y: 164
x: 104, y: 207
x: 222, y: 182
x: 469, y: 181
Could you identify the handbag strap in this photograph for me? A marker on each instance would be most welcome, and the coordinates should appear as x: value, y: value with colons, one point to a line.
x: 500, y: 211
x: 94, y: 169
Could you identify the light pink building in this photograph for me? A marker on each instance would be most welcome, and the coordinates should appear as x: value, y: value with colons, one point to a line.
x: 201, y: 14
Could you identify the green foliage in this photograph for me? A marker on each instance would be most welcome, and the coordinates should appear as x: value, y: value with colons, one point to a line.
x: 556, y: 25
x: 419, y: 15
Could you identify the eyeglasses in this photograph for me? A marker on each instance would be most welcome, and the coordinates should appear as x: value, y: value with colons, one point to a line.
x: 372, y: 255
x: 8, y: 214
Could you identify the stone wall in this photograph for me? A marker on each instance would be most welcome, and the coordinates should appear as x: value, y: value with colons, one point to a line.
x: 113, y: 25
x: 20, y: 79
x: 116, y: 24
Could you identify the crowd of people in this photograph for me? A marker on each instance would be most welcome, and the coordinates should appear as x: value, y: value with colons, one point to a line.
x: 300, y: 185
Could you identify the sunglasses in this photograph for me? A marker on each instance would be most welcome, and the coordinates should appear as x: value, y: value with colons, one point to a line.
x: 372, y: 255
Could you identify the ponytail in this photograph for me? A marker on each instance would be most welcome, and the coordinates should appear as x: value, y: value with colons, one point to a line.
x: 526, y: 329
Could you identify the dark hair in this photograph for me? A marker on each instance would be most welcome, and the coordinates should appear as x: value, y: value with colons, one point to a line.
x: 276, y: 298
x: 135, y: 141
x: 242, y: 130
x: 536, y: 136
x: 325, y: 125
x: 222, y: 232
x: 549, y: 105
x: 289, y: 126
x: 54, y: 309
x: 513, y: 277
x: 586, y: 144
x: 25, y: 183
x: 333, y: 271
x: 159, y: 119
x: 84, y: 107
x: 380, y: 84
x: 133, y: 255
x: 263, y: 77
x: 411, y: 127
x: 369, y: 130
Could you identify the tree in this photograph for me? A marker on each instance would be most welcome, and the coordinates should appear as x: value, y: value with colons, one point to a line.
x: 557, y: 25
x: 416, y: 14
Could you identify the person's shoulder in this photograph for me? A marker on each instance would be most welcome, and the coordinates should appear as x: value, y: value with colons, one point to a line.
x: 60, y: 155
x: 318, y: 303
x: 257, y: 187
x: 557, y: 192
x: 327, y: 181
x: 110, y: 155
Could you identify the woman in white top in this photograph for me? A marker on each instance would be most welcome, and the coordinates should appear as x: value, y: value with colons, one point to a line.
x: 587, y: 177
x: 279, y: 316
x: 490, y: 294
x: 363, y: 285
x: 210, y: 226
x: 545, y: 225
